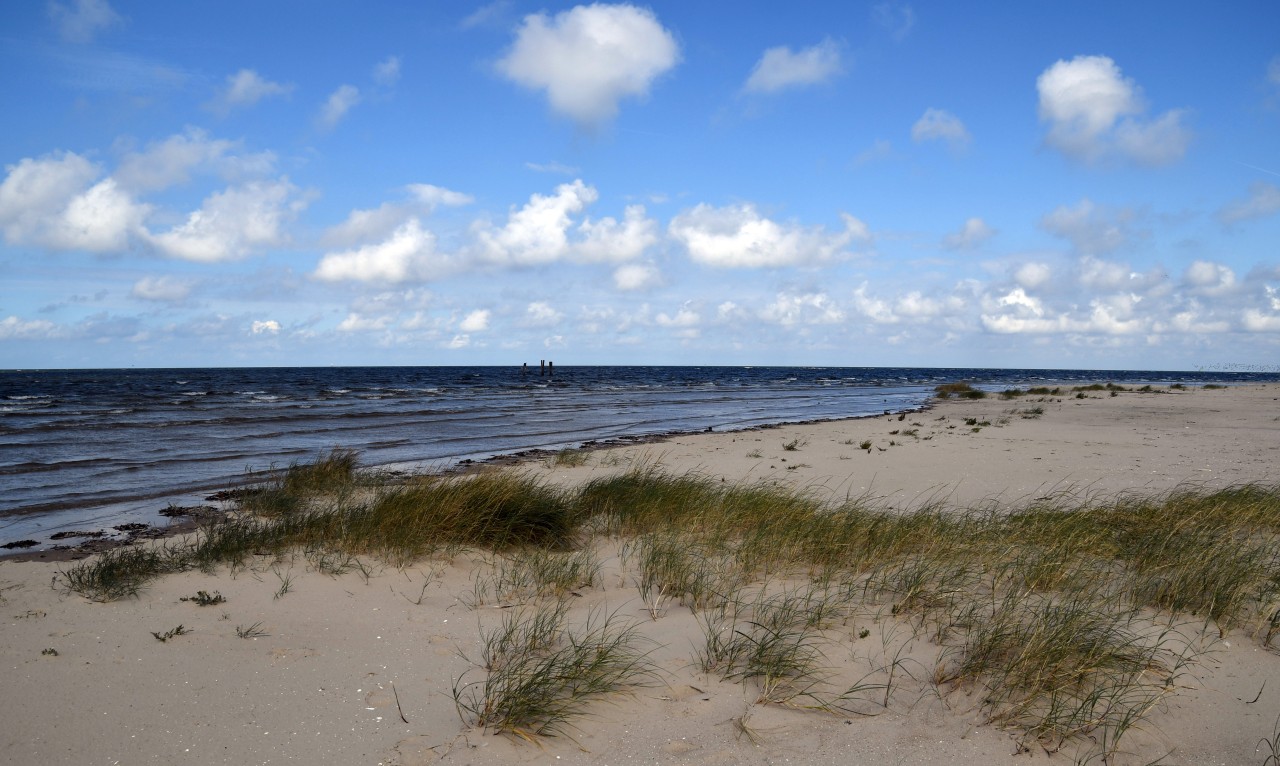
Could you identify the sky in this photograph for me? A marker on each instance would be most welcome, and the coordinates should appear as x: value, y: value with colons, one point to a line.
x: 1049, y: 185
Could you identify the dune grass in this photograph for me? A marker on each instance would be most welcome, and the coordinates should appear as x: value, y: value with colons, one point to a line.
x: 540, y: 673
x: 1069, y: 621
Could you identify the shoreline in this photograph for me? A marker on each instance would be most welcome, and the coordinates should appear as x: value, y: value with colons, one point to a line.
x: 684, y: 445
x: 304, y: 656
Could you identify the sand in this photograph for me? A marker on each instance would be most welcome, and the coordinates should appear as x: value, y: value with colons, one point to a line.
x: 342, y: 659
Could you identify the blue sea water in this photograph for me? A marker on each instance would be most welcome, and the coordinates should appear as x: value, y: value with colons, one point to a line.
x: 89, y: 449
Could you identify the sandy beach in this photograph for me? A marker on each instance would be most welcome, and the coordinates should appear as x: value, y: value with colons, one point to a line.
x: 295, y: 665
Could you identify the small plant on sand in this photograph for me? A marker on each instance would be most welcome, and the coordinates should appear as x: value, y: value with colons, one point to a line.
x: 168, y: 634
x: 204, y: 598
x: 755, y: 454
x: 570, y: 458
x: 961, y: 390
x: 794, y: 445
x: 121, y: 572
x: 541, y: 674
x: 286, y: 585
x: 865, y: 444
x: 1270, y: 746
x: 252, y: 631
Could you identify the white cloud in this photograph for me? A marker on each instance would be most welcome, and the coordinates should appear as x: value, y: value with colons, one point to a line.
x: 895, y: 18
x: 358, y: 323
x: 737, y: 236
x: 437, y: 196
x: 636, y: 276
x: 543, y: 231
x: 387, y: 72
x: 1253, y: 320
x: 338, y: 104
x: 538, y: 232
x: 808, y: 308
x: 875, y: 309
x: 552, y: 167
x: 232, y: 223
x: 164, y: 289
x: 541, y: 314
x: 781, y: 68
x: 1099, y: 274
x: 476, y: 321
x: 1094, y: 112
x: 363, y: 226
x: 1263, y: 201
x: 683, y: 318
x: 87, y: 18
x: 171, y: 161
x: 974, y: 233
x: 608, y: 240
x: 1208, y: 278
x: 53, y: 202
x: 265, y: 327
x: 458, y: 341
x: 940, y: 125
x: 590, y: 57
x: 1091, y: 229
x: 1033, y: 275
x: 13, y: 328
x: 409, y: 254
x: 246, y: 88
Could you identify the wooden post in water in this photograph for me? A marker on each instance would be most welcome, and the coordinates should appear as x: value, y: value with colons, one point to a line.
x: 551, y: 368
x: 542, y: 367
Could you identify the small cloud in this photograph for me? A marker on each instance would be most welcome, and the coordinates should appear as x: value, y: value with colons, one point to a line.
x: 338, y: 104
x: 435, y: 196
x: 86, y: 18
x: 1263, y: 201
x: 1091, y: 229
x: 1032, y: 275
x: 476, y: 321
x: 552, y: 167
x: 232, y: 223
x: 493, y: 14
x: 974, y: 232
x: 895, y: 18
x: 780, y: 68
x: 359, y: 323
x: 541, y: 314
x: 940, y: 125
x: 246, y: 88
x: 408, y: 254
x: 590, y: 57
x: 1210, y: 278
x: 880, y: 150
x: 738, y: 236
x: 636, y: 276
x: 265, y: 327
x: 387, y: 72
x: 164, y: 289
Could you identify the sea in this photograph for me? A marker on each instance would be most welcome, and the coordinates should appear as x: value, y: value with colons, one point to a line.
x: 90, y: 450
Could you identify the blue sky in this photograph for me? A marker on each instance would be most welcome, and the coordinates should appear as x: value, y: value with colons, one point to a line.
x: 1092, y: 184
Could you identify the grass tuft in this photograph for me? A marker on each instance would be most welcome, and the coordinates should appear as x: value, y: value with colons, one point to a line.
x: 540, y: 673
